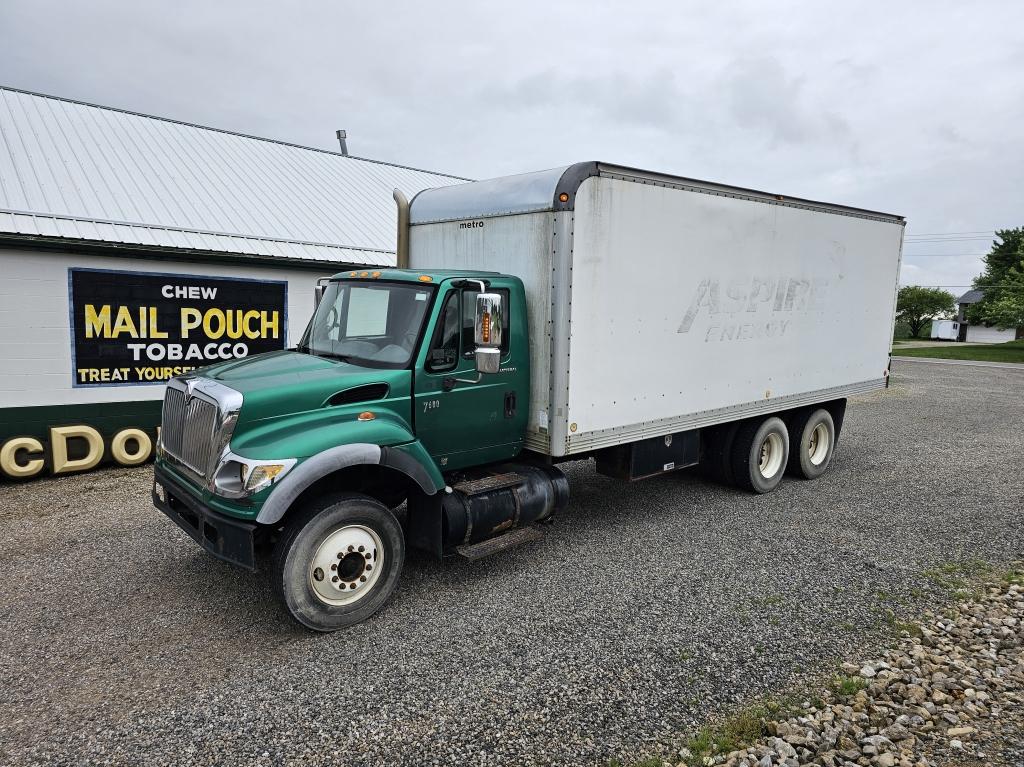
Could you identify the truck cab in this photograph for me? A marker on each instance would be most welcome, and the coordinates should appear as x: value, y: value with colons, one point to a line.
x: 404, y: 384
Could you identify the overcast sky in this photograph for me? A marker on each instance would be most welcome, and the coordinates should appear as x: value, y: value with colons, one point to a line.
x: 911, y: 108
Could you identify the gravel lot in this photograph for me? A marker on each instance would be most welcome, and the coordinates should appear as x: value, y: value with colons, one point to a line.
x: 645, y: 609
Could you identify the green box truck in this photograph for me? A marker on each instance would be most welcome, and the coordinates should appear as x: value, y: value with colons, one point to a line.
x: 645, y: 321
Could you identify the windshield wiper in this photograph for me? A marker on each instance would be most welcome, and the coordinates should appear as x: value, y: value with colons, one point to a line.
x: 333, y: 356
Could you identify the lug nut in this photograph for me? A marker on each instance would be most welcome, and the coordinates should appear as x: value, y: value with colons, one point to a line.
x: 362, y: 548
x: 352, y: 585
x: 368, y: 555
x: 362, y: 578
x: 351, y: 548
x: 334, y: 567
x: 334, y: 579
x: 369, y: 567
x: 341, y: 554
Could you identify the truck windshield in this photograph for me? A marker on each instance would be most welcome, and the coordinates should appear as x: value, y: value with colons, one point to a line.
x: 375, y: 324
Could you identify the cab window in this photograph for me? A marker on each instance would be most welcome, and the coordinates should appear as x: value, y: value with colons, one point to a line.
x: 454, y: 335
x: 444, y: 351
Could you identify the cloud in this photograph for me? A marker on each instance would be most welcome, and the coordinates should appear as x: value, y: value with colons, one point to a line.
x: 903, y: 107
x: 766, y: 99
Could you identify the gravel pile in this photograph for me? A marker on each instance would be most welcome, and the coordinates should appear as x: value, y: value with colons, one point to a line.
x: 953, y: 693
x: 647, y: 610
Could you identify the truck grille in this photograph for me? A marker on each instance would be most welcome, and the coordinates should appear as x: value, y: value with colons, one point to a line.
x: 189, y: 429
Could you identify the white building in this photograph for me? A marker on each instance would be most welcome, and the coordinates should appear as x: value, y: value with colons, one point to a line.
x: 980, y: 333
x: 133, y: 247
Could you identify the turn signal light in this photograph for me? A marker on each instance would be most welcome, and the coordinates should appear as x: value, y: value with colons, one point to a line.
x: 486, y: 330
x: 263, y: 475
x: 366, y: 415
x: 425, y: 278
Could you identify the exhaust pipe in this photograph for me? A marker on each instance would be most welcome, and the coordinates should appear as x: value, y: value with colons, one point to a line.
x: 402, y: 246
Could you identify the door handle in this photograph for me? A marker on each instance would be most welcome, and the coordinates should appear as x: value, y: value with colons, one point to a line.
x: 510, y: 404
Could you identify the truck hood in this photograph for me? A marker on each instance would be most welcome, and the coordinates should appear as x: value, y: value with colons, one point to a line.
x: 279, y: 383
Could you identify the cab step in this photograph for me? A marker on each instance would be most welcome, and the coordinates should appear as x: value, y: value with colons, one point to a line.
x: 475, y: 551
x: 489, y: 483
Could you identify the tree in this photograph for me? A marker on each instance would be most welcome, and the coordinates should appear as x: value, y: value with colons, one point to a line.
x: 1006, y: 310
x: 916, y: 305
x: 1005, y: 256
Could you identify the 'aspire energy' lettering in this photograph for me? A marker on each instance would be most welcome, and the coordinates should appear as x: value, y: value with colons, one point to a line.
x: 751, y: 308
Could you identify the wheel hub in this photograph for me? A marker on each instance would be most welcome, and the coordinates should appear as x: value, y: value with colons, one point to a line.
x: 818, y: 444
x: 351, y: 566
x: 771, y: 456
x: 347, y: 564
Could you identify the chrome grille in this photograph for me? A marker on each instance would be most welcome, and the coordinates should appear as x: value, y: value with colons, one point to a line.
x: 189, y: 428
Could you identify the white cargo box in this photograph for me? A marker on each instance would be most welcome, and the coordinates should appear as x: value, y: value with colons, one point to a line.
x: 659, y: 304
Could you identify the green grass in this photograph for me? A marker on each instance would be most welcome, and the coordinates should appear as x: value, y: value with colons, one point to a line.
x: 745, y: 726
x: 845, y: 686
x: 953, y: 576
x: 739, y: 730
x: 1012, y: 351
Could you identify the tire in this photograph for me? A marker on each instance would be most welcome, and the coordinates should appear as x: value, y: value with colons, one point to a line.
x: 760, y: 454
x: 327, y: 590
x: 815, y: 433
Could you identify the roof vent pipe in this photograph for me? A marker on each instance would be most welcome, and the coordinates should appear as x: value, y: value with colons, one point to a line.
x: 341, y: 140
x: 402, y: 244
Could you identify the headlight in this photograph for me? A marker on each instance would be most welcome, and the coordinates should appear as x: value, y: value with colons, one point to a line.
x: 237, y: 477
x: 262, y: 475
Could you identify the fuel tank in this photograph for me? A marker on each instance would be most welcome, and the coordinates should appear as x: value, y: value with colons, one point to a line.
x: 506, y: 497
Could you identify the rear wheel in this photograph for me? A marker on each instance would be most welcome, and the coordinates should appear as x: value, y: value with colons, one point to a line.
x: 760, y: 453
x: 816, y: 433
x: 338, y: 561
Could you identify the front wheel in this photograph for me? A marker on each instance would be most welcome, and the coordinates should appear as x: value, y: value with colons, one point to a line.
x: 338, y: 561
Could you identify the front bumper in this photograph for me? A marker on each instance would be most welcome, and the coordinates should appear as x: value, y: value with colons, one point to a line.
x: 231, y: 540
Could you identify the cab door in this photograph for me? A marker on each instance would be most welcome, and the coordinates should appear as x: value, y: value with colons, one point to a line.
x: 459, y: 422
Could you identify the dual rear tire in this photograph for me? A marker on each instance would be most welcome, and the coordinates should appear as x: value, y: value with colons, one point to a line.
x: 816, y: 432
x: 755, y: 454
x: 760, y: 454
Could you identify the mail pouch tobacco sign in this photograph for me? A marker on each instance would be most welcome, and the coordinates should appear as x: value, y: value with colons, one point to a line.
x: 144, y: 328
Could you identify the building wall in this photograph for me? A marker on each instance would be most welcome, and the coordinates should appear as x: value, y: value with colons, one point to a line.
x: 981, y: 334
x: 37, y: 388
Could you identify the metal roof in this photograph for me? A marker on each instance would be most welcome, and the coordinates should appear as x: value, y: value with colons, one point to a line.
x: 91, y: 173
x: 971, y: 297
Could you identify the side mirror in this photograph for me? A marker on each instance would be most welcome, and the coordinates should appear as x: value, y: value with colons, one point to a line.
x: 488, y: 330
x: 318, y: 291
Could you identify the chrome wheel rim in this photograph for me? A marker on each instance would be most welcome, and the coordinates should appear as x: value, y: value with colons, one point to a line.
x: 347, y: 564
x: 771, y: 456
x: 818, y: 445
